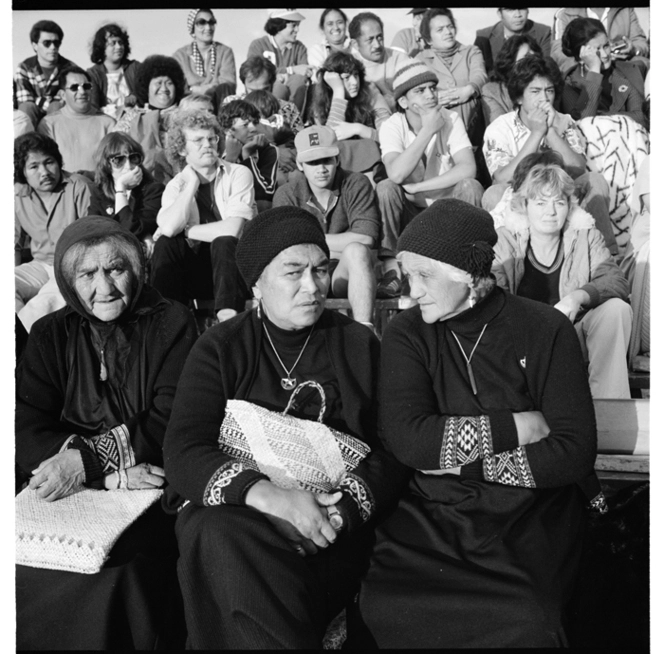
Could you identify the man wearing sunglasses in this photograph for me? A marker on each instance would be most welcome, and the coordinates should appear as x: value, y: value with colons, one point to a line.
x: 36, y: 83
x: 78, y: 127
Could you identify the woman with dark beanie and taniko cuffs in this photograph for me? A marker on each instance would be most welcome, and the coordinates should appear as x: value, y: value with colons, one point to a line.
x: 485, y: 397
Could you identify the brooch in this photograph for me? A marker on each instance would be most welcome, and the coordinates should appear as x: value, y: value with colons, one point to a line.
x: 623, y: 88
x: 109, y: 210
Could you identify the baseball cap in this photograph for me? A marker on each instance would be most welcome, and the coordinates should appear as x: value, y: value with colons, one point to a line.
x: 317, y: 142
x: 285, y: 14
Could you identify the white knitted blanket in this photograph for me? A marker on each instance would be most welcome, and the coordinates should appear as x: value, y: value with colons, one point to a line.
x: 76, y: 533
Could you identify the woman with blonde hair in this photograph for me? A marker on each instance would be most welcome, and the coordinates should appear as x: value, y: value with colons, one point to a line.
x: 549, y: 250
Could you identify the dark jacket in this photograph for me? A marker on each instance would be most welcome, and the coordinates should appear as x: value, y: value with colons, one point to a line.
x: 140, y: 215
x: 531, y: 361
x: 100, y: 81
x: 490, y: 40
x: 222, y: 366
x: 582, y: 92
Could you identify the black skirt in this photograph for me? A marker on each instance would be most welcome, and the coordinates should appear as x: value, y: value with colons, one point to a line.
x: 133, y: 603
x: 473, y: 564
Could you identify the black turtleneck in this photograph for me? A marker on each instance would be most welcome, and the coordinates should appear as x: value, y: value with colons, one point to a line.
x: 314, y: 364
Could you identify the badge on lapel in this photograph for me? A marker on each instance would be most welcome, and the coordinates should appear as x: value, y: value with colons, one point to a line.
x: 623, y: 88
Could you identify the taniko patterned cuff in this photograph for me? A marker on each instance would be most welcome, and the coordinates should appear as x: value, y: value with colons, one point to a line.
x: 465, y: 439
x: 361, y: 495
x: 113, y: 449
x: 598, y: 505
x: 214, y: 491
x: 509, y: 468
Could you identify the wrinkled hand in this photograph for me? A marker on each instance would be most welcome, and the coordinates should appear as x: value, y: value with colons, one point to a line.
x: 590, y: 59
x: 345, y: 130
x: 335, y: 82
x: 531, y: 427
x: 433, y: 121
x: 570, y: 306
x: 130, y: 179
x: 299, y: 516
x: 140, y: 476
x: 256, y: 142
x: 59, y: 476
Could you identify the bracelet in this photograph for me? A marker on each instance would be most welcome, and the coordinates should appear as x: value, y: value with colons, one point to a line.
x: 123, y: 480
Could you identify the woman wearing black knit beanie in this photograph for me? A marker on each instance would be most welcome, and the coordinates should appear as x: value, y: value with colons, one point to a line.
x: 484, y: 396
x: 262, y: 567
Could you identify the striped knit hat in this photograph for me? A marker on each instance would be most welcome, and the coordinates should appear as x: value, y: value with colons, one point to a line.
x: 454, y: 232
x: 411, y: 75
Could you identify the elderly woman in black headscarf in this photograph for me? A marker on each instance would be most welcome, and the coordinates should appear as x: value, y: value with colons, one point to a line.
x: 94, y: 395
x: 262, y: 566
x: 486, y: 398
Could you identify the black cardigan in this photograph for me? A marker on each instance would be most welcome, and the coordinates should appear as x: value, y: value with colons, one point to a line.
x: 100, y: 81
x: 528, y: 359
x: 167, y: 337
x: 222, y: 365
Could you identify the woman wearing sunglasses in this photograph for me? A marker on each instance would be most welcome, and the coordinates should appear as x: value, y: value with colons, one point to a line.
x: 123, y: 189
x: 206, y: 63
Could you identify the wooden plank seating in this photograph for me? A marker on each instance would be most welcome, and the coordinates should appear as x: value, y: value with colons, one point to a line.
x: 623, y: 439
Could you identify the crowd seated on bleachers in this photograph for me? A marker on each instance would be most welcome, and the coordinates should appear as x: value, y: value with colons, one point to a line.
x: 334, y: 170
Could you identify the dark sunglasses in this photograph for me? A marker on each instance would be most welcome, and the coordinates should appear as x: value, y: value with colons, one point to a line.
x: 86, y: 86
x: 201, y: 22
x: 47, y: 43
x: 119, y: 160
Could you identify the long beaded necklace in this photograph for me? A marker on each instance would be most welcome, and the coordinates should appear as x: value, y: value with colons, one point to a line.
x: 288, y: 383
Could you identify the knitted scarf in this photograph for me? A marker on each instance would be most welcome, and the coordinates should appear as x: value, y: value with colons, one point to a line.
x: 196, y: 53
x: 446, y: 56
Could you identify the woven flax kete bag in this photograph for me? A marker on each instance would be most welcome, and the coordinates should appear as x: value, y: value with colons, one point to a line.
x: 292, y: 452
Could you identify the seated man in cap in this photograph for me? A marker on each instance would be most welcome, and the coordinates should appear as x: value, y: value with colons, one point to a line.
x: 203, y: 211
x: 345, y: 205
x: 289, y: 55
x: 409, y: 39
x: 427, y: 155
x: 78, y: 127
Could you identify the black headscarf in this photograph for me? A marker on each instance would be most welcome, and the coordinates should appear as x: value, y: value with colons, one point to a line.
x: 106, y: 369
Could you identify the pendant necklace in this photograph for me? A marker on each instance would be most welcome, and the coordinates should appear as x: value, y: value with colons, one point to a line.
x: 288, y: 383
x: 469, y: 368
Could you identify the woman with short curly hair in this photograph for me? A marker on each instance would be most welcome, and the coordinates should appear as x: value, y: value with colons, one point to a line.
x: 113, y: 75
x: 160, y: 85
x: 124, y: 189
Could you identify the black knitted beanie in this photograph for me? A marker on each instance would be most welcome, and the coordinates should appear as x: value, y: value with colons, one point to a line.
x: 454, y: 232
x: 271, y: 232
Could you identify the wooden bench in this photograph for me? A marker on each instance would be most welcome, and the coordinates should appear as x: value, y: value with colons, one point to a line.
x: 623, y: 439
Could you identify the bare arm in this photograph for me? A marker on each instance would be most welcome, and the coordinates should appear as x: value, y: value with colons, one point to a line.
x: 464, y: 168
x: 400, y: 165
x: 173, y: 217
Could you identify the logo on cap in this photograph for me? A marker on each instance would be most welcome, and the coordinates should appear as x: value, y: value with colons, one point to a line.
x: 314, y: 139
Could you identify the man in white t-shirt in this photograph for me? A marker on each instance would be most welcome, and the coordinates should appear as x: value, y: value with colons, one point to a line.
x: 427, y: 155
